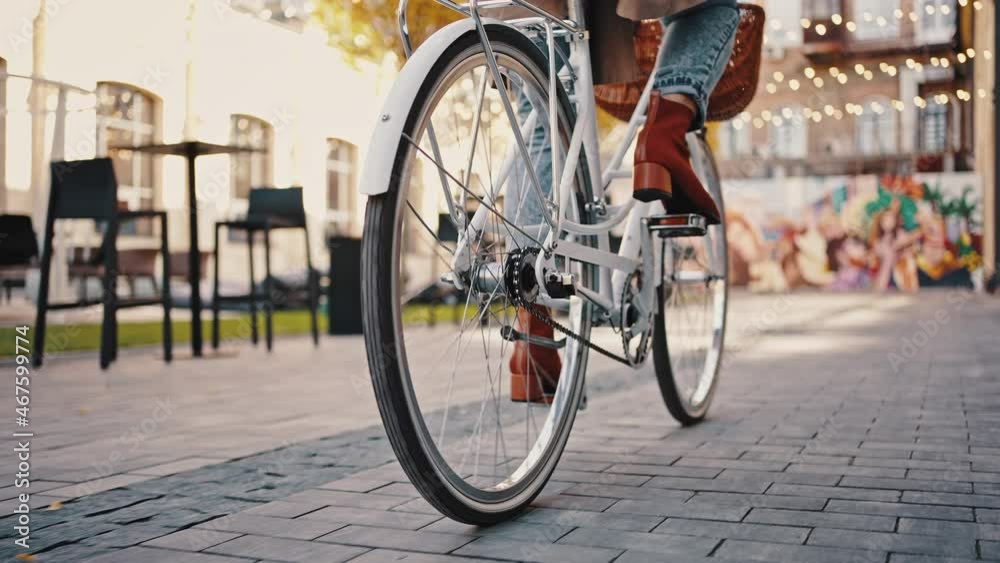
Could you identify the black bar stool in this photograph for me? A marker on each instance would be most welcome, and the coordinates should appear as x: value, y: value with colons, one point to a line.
x: 87, y: 189
x: 268, y: 209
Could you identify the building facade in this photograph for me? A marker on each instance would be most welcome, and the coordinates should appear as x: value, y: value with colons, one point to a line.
x: 83, y: 79
x: 855, y: 166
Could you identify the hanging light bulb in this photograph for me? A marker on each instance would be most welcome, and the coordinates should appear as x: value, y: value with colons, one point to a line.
x: 851, y: 26
x: 810, y: 72
x: 837, y: 19
x: 818, y: 82
x: 771, y: 88
x: 793, y: 84
x: 842, y: 78
x: 778, y: 76
x: 820, y: 29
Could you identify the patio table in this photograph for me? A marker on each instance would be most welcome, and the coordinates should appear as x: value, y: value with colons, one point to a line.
x: 191, y: 150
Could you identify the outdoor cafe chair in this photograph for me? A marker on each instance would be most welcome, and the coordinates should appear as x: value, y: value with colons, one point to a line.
x: 20, y: 251
x: 268, y: 209
x: 87, y: 189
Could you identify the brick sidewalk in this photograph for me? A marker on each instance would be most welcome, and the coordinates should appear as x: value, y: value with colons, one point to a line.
x: 846, y: 429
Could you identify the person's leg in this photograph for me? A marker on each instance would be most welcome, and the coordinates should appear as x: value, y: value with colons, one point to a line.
x: 696, y: 48
x: 694, y: 54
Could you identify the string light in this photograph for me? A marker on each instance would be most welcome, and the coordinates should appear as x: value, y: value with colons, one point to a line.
x: 786, y: 114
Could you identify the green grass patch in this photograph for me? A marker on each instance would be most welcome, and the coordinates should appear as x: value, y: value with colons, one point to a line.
x: 76, y: 337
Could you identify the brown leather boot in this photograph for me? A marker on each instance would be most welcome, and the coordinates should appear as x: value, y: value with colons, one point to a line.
x: 534, y: 369
x: 663, y: 162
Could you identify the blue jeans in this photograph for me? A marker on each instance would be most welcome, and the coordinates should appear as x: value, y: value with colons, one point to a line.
x: 697, y: 44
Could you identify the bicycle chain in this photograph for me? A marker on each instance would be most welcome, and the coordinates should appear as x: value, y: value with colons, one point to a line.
x: 556, y: 325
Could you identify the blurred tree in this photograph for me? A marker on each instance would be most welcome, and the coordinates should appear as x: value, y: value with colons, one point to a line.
x: 368, y: 29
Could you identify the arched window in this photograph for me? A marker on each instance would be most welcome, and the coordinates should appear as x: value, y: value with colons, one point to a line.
x: 734, y: 139
x: 128, y: 116
x: 789, y: 133
x: 876, y: 20
x: 341, y: 183
x: 876, y: 127
x: 250, y: 169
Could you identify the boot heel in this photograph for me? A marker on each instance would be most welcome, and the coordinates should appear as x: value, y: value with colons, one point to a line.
x: 651, y: 182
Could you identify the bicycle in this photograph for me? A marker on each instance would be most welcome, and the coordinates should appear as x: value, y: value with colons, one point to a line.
x: 457, y: 211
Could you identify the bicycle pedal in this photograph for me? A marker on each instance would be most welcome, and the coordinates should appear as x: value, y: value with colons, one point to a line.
x: 683, y: 225
x: 511, y: 334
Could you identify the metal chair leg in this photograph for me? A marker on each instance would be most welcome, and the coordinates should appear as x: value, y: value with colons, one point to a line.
x: 215, y: 290
x: 312, y: 283
x: 254, y: 333
x: 109, y: 298
x: 43, y: 291
x: 168, y: 329
x: 269, y: 298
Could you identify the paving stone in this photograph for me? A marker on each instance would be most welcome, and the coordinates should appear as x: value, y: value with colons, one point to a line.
x: 377, y: 518
x: 953, y: 529
x: 907, y: 484
x: 762, y: 501
x: 639, y: 541
x: 760, y: 551
x: 192, y: 539
x: 663, y: 470
x: 989, y: 550
x: 571, y: 502
x: 344, y: 498
x: 821, y: 519
x: 572, y: 518
x: 953, y: 475
x: 391, y: 556
x: 952, y: 499
x: 778, y: 477
x: 834, y: 492
x: 599, y: 478
x: 722, y: 530
x: 988, y: 515
x: 726, y: 513
x: 896, y: 509
x: 432, y: 542
x: 356, y: 484
x: 901, y: 543
x: 622, y: 492
x: 246, y: 523
x: 398, y: 489
x: 852, y: 470
x: 505, y: 548
x: 153, y: 555
x: 178, y: 466
x: 688, y: 461
x: 910, y: 558
x: 717, y: 485
x: 127, y: 536
x: 283, y: 509
x: 524, y: 531
x: 281, y: 549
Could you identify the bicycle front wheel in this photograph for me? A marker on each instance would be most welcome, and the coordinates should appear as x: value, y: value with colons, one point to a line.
x: 690, y: 327
x: 439, y: 351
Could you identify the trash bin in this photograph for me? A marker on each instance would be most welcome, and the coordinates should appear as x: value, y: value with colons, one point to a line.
x: 344, y: 292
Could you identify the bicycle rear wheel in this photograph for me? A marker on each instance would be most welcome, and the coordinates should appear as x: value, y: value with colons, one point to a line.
x: 437, y: 354
x: 690, y: 326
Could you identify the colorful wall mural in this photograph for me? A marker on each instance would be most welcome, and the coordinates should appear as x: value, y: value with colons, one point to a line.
x: 849, y: 233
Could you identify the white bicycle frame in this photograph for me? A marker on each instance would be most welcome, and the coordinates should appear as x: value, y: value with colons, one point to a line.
x: 636, y: 249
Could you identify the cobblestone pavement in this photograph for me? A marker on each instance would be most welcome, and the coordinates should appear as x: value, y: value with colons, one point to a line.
x: 847, y: 428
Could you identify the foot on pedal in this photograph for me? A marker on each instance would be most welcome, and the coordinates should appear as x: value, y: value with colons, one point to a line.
x: 683, y: 225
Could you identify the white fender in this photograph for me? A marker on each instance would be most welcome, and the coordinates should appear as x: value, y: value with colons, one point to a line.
x: 388, y: 132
